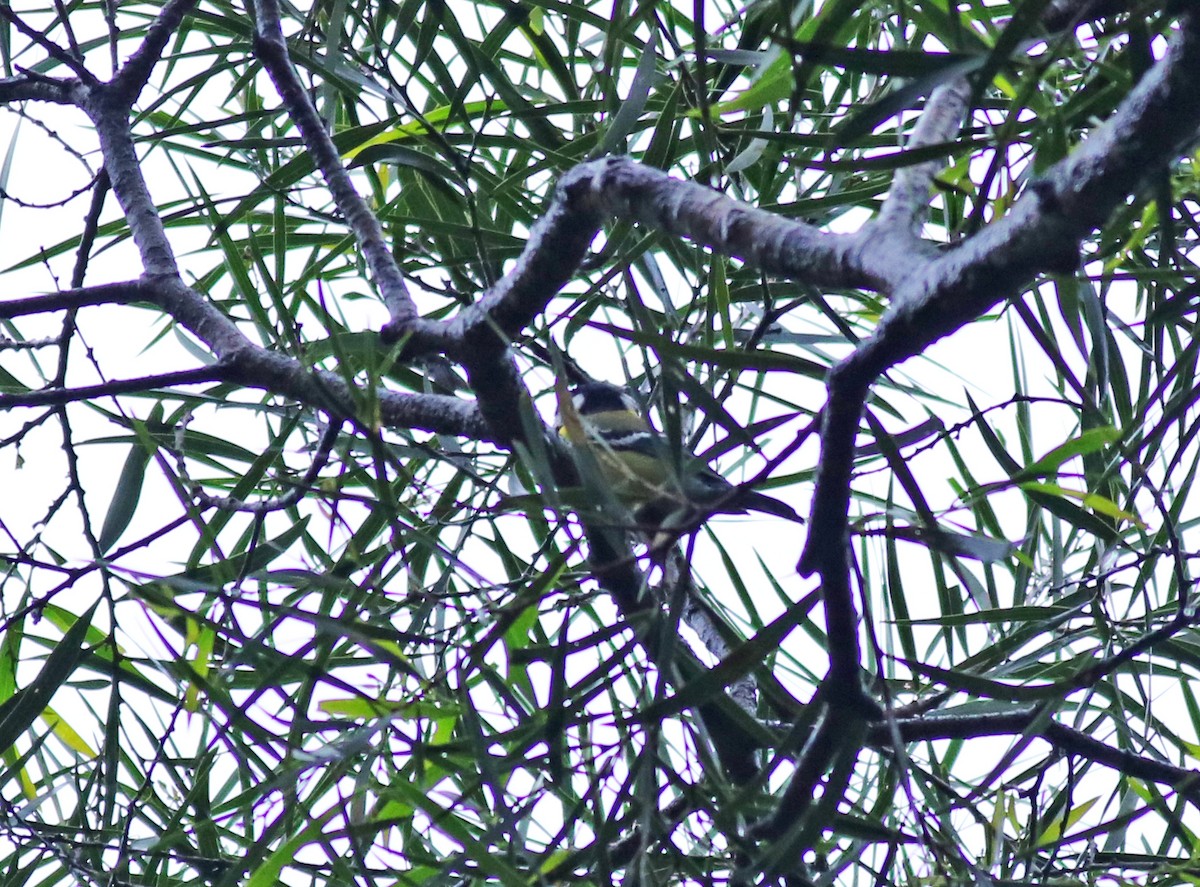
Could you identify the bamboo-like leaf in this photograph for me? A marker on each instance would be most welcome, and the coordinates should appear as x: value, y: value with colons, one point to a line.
x: 20, y: 710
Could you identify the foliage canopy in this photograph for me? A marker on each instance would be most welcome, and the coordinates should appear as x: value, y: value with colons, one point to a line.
x: 298, y: 588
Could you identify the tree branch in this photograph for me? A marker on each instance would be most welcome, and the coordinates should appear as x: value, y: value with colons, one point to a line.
x: 1065, y: 739
x: 271, y: 49
x: 56, y: 52
x: 125, y: 292
x: 60, y: 396
x: 907, y: 203
x: 621, y: 188
x: 27, y: 87
x: 1041, y: 233
x: 131, y: 79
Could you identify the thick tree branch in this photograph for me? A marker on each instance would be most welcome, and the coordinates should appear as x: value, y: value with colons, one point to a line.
x: 479, y: 337
x: 1048, y: 223
x: 907, y: 203
x: 134, y: 75
x: 109, y: 113
x: 125, y: 292
x: 618, y: 187
x: 108, y: 107
x: 243, y: 363
x: 282, y: 375
x: 1041, y: 233
x: 271, y: 49
x: 556, y: 246
x: 41, y: 89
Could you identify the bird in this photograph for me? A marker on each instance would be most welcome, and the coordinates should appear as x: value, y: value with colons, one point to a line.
x: 640, y: 467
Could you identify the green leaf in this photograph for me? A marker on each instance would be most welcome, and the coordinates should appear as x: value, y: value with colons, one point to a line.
x: 1091, y: 441
x: 19, y: 711
x: 125, y: 498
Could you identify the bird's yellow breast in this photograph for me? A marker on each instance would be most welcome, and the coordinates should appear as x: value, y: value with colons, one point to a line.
x: 634, y: 476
